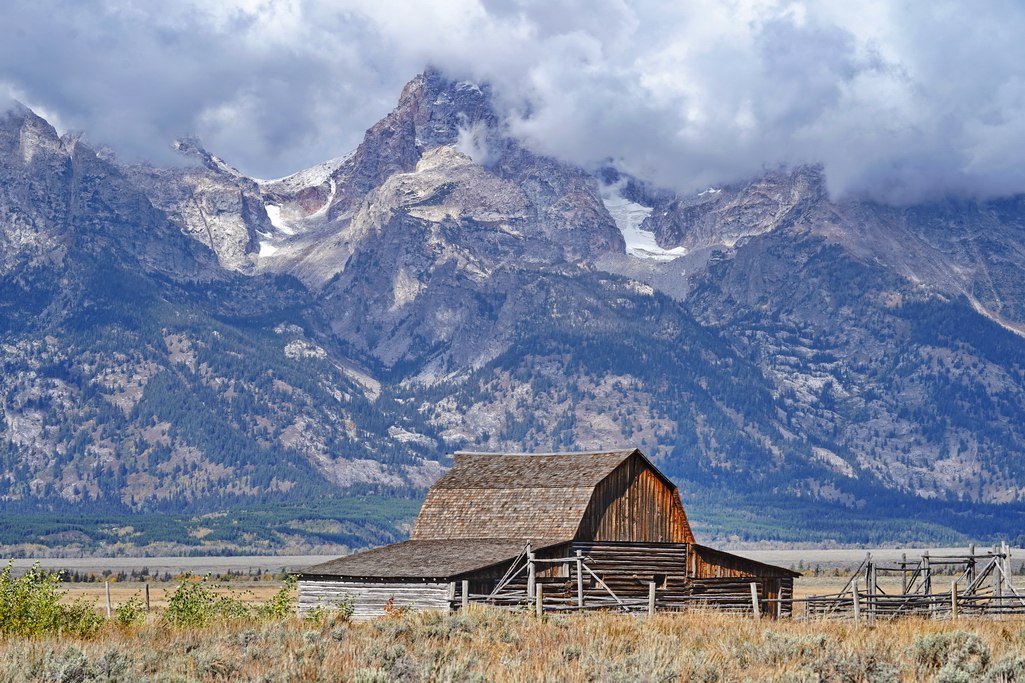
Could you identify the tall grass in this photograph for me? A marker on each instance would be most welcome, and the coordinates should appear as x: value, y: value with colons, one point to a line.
x: 490, y: 645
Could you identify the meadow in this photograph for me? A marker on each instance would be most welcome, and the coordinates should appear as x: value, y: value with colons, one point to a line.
x: 202, y: 630
x: 485, y: 644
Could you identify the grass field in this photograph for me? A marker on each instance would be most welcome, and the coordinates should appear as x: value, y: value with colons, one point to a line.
x: 95, y: 593
x: 489, y: 645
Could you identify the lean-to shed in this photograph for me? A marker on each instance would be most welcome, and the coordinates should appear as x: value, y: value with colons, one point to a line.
x: 591, y: 527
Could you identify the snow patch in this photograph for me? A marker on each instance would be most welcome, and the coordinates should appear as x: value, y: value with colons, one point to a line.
x: 310, y: 177
x: 266, y: 249
x: 628, y: 216
x: 711, y: 190
x: 274, y: 214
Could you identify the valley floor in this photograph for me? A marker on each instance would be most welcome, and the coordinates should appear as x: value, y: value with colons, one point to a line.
x: 489, y: 645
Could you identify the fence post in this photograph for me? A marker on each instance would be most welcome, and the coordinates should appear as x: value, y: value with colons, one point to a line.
x: 531, y: 574
x: 465, y: 597
x: 651, y: 599
x: 539, y: 604
x: 857, y: 607
x: 953, y: 599
x: 147, y: 597
x: 580, y: 579
x: 755, y: 611
x: 106, y: 586
x: 903, y: 573
x: 971, y: 564
x: 998, y: 579
x: 870, y: 587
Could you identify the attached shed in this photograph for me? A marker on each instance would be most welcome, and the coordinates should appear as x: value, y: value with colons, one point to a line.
x: 592, y: 528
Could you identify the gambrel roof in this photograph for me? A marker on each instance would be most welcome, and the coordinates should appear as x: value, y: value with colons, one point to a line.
x: 514, y: 495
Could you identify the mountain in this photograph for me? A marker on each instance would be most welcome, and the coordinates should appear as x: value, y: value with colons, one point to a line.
x: 229, y: 362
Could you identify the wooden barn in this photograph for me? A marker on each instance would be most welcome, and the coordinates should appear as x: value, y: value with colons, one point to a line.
x: 586, y: 530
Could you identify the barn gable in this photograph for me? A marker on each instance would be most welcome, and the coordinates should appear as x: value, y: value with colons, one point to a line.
x: 635, y: 502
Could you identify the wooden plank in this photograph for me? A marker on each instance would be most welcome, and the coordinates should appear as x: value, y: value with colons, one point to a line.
x: 371, y: 599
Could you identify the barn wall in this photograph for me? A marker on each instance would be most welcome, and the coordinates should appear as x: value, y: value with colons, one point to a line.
x: 369, y: 599
x: 635, y: 504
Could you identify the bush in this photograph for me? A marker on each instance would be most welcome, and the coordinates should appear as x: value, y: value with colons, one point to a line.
x: 196, y: 603
x: 130, y: 612
x: 30, y: 605
x: 282, y: 604
x: 954, y: 656
x: 1010, y: 669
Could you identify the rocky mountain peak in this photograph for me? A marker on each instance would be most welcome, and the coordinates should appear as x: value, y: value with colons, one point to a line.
x: 24, y: 132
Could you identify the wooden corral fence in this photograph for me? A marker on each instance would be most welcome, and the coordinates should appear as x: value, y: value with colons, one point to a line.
x: 980, y: 585
x: 566, y: 584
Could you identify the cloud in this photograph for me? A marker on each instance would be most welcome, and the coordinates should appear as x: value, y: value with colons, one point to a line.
x: 903, y: 101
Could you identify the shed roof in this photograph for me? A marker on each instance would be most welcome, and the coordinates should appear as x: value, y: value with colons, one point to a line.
x: 515, y: 495
x: 431, y: 559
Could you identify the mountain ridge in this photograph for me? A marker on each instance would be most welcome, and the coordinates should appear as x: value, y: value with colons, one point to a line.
x: 443, y: 287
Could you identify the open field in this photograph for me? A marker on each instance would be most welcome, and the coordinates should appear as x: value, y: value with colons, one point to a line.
x: 489, y: 645
x: 199, y: 566
x: 94, y: 593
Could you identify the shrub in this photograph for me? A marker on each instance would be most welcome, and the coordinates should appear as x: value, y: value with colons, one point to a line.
x: 282, y: 604
x: 1010, y: 669
x: 954, y: 656
x: 130, y: 612
x: 196, y: 603
x: 844, y: 665
x: 70, y: 666
x: 330, y: 615
x: 30, y: 605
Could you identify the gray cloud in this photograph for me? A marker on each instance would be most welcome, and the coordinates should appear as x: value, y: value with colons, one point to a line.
x: 904, y: 101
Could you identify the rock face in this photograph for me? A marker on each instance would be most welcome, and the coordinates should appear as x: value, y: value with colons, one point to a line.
x: 190, y: 336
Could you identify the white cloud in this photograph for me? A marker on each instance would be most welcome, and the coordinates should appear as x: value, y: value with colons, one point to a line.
x: 903, y: 101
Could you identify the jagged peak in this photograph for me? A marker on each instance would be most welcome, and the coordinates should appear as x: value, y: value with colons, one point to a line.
x: 192, y: 147
x: 16, y: 114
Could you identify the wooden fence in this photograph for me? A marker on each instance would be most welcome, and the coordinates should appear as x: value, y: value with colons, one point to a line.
x: 981, y: 587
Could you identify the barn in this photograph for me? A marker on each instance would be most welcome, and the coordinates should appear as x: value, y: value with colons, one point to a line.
x: 586, y: 530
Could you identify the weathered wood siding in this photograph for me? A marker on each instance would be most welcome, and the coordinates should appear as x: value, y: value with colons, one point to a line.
x: 635, y: 504
x: 369, y: 599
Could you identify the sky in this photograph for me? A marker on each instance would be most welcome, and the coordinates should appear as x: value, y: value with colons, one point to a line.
x: 900, y: 101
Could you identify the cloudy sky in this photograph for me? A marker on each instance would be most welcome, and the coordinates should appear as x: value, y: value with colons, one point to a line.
x: 902, y: 100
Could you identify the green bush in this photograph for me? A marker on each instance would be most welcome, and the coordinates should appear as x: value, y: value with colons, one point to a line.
x: 196, y: 603
x: 130, y: 612
x: 30, y: 605
x: 282, y: 604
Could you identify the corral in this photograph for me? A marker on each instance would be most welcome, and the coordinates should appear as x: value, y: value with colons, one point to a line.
x: 561, y: 531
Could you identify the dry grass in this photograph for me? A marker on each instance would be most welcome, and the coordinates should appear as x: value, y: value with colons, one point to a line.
x: 489, y: 645
x: 249, y: 592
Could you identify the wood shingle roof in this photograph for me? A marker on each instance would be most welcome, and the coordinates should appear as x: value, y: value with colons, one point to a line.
x: 514, y: 495
x: 440, y: 560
